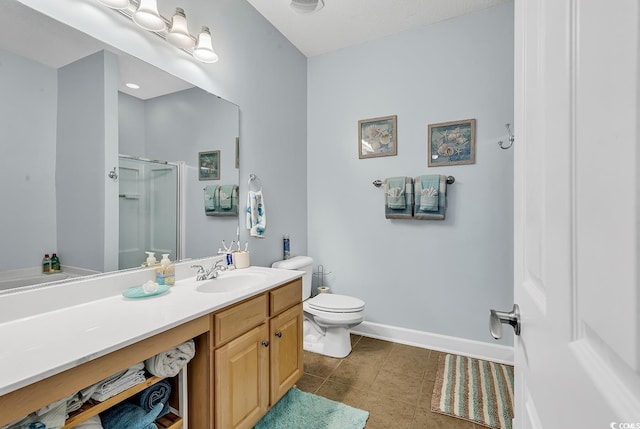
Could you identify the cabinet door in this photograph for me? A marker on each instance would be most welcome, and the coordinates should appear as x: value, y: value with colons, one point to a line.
x: 286, y: 351
x: 242, y: 380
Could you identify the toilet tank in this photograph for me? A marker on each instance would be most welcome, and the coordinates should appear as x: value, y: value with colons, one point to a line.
x: 300, y: 263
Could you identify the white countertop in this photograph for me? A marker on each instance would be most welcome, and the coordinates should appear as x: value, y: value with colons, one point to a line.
x: 41, y: 345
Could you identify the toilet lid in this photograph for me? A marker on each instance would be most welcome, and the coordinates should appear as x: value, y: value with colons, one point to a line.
x: 332, y: 302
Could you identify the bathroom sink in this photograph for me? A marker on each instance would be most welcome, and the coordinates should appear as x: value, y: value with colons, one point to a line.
x: 232, y: 282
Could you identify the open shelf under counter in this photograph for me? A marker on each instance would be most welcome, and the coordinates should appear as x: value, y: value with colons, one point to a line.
x: 92, y: 407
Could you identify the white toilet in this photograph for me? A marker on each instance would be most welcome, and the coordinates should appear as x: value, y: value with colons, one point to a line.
x: 327, y: 317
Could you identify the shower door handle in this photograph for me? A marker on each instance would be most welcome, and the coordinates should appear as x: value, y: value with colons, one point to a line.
x: 497, y: 318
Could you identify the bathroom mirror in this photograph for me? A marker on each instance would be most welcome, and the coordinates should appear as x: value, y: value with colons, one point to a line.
x: 58, y: 197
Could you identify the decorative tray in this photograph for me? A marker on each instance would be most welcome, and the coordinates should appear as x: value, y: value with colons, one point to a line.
x: 138, y: 292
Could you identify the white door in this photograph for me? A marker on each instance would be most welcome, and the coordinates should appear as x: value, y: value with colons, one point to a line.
x: 577, y: 237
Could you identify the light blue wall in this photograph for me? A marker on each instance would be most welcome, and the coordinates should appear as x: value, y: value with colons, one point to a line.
x: 27, y: 165
x: 435, y: 276
x: 439, y: 277
x: 86, y: 143
x: 179, y: 126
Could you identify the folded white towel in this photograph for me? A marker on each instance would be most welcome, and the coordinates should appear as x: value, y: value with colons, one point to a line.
x: 52, y: 416
x: 92, y: 423
x: 76, y: 401
x: 121, y: 384
x: 118, y: 382
x: 256, y: 216
x: 170, y: 362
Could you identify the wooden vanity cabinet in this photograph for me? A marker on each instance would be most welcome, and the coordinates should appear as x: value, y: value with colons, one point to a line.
x: 265, y: 359
x: 286, y: 355
x: 34, y: 396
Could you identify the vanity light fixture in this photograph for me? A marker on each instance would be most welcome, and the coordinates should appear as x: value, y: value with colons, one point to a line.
x: 115, y: 4
x: 148, y: 17
x: 179, y: 32
x: 204, y: 49
x: 145, y: 14
x: 306, y: 6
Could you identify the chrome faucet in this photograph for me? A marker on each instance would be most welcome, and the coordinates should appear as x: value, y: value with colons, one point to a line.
x: 201, y: 274
x: 212, y: 272
x: 216, y: 269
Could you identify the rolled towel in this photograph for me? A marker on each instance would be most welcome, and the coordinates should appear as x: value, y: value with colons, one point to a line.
x: 170, y: 362
x: 159, y: 393
x: 130, y: 416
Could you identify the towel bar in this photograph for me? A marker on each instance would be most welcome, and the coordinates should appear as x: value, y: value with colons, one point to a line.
x: 377, y: 183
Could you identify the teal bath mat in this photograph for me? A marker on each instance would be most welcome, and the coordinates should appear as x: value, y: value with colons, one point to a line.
x: 297, y: 410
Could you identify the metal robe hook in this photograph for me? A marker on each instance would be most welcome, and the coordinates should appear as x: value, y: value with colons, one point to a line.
x: 112, y: 174
x: 511, y: 138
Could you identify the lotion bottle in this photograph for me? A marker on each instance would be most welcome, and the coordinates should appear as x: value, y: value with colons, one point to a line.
x: 166, y: 272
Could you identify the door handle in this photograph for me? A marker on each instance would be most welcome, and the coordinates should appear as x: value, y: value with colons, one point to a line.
x: 497, y: 318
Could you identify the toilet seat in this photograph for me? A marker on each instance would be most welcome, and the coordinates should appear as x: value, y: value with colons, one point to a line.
x: 334, y: 303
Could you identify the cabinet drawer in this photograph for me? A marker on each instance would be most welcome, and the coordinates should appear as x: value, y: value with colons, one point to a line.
x: 285, y: 296
x: 235, y: 321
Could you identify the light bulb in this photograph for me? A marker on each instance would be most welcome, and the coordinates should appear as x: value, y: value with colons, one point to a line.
x: 306, y: 6
x: 204, y: 48
x: 115, y: 4
x: 147, y: 16
x: 179, y: 32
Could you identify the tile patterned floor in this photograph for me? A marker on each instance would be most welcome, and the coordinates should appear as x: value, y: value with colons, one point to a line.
x: 394, y: 382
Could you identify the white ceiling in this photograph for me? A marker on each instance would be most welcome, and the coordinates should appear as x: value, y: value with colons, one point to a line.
x: 343, y: 23
x: 339, y: 24
x: 33, y: 35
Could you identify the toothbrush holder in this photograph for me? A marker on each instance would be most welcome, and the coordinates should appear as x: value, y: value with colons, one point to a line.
x: 241, y: 259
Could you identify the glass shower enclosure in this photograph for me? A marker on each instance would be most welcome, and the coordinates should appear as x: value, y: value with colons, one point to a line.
x: 148, y: 210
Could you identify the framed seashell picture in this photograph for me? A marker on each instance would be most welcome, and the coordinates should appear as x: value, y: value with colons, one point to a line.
x: 451, y: 143
x: 377, y: 137
x: 209, y: 165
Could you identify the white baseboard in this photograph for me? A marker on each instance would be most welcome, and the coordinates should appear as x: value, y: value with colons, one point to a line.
x: 460, y: 346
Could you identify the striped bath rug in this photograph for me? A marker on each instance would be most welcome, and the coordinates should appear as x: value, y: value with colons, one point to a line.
x: 475, y: 390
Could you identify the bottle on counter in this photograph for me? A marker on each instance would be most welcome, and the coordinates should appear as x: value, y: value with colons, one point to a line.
x: 46, y: 264
x: 55, y: 263
x: 151, y: 259
x: 166, y: 272
x: 286, y: 247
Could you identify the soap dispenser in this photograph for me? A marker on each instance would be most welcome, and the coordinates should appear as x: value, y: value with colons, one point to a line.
x: 165, y: 273
x: 165, y: 260
x: 151, y: 259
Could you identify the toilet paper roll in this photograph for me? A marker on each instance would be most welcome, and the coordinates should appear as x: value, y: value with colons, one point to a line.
x: 241, y: 259
x: 323, y: 289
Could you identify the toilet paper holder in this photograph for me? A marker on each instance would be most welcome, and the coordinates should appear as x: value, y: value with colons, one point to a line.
x: 321, y: 273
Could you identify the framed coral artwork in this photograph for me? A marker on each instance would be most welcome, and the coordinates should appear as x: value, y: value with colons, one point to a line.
x: 209, y: 165
x: 451, y: 143
x: 377, y: 137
